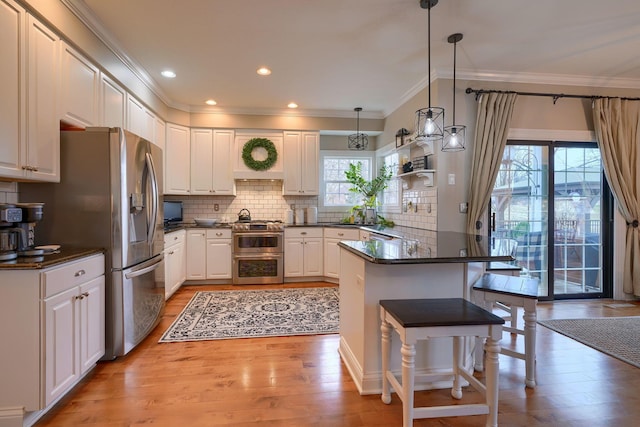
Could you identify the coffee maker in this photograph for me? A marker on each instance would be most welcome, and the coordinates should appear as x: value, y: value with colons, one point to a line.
x: 17, y: 230
x: 10, y: 235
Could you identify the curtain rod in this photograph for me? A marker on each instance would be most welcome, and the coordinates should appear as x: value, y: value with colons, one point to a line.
x: 555, y: 96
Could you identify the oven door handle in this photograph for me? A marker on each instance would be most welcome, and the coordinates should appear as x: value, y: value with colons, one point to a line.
x: 273, y: 255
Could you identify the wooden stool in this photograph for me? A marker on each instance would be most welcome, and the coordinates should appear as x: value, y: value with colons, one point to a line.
x: 421, y: 319
x: 512, y: 292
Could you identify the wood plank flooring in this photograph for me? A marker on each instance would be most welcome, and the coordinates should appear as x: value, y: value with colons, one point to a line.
x: 300, y: 381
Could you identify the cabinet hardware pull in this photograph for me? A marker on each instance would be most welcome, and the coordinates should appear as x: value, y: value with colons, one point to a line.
x: 175, y: 238
x: 218, y: 234
x: 86, y: 294
x: 80, y: 273
x: 340, y: 234
x: 77, y: 297
x: 171, y: 253
x: 304, y: 233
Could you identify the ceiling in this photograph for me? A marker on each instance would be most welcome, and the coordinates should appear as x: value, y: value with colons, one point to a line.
x: 330, y: 56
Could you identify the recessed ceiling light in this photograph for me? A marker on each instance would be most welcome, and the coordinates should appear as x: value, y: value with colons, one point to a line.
x: 210, y: 102
x: 292, y: 105
x: 168, y: 74
x: 263, y: 71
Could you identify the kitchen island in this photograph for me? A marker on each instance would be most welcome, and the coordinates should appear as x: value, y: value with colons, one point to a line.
x: 418, y: 264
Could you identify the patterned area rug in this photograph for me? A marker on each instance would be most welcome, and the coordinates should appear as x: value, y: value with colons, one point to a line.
x: 616, y: 336
x: 255, y: 313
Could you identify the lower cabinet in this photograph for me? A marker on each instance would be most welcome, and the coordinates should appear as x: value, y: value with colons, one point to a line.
x: 333, y: 236
x: 209, y: 253
x: 303, y: 252
x: 175, y: 258
x: 61, y: 314
x: 219, y: 253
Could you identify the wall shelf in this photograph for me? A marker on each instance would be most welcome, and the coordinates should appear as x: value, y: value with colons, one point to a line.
x: 424, y: 174
x: 427, y: 146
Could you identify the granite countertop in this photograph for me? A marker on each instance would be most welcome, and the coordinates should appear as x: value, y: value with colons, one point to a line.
x: 417, y: 246
x: 65, y: 254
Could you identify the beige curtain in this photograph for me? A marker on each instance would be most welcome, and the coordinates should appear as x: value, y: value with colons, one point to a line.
x: 617, y: 126
x: 492, y: 126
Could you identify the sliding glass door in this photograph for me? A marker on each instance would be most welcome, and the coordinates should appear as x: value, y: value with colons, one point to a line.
x: 551, y: 198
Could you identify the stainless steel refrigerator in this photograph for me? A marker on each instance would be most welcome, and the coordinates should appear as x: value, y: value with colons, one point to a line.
x: 110, y: 196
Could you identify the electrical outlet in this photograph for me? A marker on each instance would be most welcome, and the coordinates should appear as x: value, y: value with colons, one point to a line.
x: 216, y: 207
x: 463, y: 207
x: 452, y: 179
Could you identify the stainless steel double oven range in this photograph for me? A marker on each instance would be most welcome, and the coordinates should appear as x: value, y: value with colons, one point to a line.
x: 258, y: 252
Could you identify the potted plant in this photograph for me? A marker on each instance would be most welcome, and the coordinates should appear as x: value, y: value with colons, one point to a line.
x: 369, y: 191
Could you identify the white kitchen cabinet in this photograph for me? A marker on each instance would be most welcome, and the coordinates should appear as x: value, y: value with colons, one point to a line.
x: 196, y: 254
x: 219, y: 254
x: 211, y: 162
x: 160, y: 133
x: 29, y: 119
x: 139, y: 120
x: 177, y: 160
x: 303, y: 252
x: 113, y: 100
x: 301, y: 152
x: 175, y: 261
x: 333, y: 236
x: 61, y: 313
x: 79, y: 89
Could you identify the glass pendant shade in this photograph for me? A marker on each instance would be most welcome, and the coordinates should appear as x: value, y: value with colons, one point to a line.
x: 358, y: 140
x: 454, y: 137
x: 429, y: 124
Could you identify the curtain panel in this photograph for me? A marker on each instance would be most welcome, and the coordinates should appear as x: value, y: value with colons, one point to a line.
x: 492, y: 127
x: 617, y: 126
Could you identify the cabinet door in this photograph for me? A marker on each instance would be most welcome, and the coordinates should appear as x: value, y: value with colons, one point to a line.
x: 92, y: 323
x: 218, y: 259
x: 43, y: 123
x: 291, y: 164
x: 159, y: 133
x: 80, y: 85
x: 113, y: 98
x: 177, y: 159
x: 293, y: 257
x: 313, y: 265
x: 12, y: 89
x: 136, y: 118
x: 222, y: 170
x: 331, y: 258
x: 201, y: 161
x: 196, y: 255
x: 174, y: 268
x: 61, y: 343
x: 309, y: 158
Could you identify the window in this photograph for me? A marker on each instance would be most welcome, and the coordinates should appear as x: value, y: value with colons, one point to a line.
x: 335, y: 187
x: 390, y: 197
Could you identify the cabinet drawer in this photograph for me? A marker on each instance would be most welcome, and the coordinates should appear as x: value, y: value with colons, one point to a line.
x: 302, y: 232
x: 71, y: 274
x: 219, y: 233
x: 342, y: 233
x: 174, y: 238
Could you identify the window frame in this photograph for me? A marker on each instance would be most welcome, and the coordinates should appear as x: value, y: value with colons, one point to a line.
x: 344, y: 154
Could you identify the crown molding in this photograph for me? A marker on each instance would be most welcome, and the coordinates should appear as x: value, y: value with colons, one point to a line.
x: 84, y: 14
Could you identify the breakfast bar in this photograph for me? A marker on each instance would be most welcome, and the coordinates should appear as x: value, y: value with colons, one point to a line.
x: 415, y: 263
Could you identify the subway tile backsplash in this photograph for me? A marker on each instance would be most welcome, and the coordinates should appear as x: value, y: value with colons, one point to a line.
x: 8, y: 192
x: 264, y: 200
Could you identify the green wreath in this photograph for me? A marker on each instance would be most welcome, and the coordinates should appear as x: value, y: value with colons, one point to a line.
x: 259, y: 165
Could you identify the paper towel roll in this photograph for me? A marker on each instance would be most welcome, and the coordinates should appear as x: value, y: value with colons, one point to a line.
x: 288, y: 216
x: 312, y: 215
x: 299, y: 216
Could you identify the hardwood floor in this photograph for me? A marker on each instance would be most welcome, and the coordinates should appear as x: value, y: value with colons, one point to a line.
x: 300, y: 381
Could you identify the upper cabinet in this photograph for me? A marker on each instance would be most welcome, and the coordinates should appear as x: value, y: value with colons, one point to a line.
x: 29, y: 136
x: 139, y: 120
x: 301, y: 156
x: 177, y: 160
x: 79, y: 89
x: 113, y: 100
x: 211, y: 160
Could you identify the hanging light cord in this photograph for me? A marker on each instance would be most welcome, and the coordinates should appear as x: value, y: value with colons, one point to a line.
x: 429, y: 52
x: 455, y: 44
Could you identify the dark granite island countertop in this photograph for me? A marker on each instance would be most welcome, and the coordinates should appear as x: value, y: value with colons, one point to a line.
x: 428, y: 247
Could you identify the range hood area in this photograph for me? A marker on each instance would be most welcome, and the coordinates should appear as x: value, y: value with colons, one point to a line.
x: 243, y: 172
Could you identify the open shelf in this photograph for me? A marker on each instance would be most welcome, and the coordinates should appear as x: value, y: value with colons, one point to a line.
x: 424, y: 174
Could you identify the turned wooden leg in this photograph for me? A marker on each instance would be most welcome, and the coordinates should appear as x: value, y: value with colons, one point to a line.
x: 530, y: 343
x: 408, y: 378
x: 385, y: 328
x: 456, y: 390
x: 492, y: 348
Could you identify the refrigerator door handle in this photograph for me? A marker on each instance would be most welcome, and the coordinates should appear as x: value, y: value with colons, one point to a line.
x: 143, y: 270
x: 154, y: 197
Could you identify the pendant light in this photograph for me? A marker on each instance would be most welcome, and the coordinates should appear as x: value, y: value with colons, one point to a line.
x: 454, y: 135
x: 358, y: 141
x: 429, y: 123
